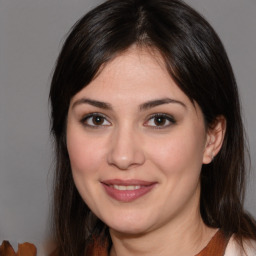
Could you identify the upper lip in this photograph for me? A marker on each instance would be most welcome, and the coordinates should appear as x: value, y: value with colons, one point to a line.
x: 127, y: 182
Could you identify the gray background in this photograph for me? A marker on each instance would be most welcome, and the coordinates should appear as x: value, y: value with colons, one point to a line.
x: 31, y: 35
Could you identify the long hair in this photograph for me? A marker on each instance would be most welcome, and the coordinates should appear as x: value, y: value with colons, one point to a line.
x: 196, y: 60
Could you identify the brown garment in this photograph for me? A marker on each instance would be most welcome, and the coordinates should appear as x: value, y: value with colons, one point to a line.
x: 216, y: 247
x: 25, y: 249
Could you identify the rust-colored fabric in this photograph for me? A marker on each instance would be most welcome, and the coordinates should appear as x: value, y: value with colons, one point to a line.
x: 97, y: 249
x: 25, y: 249
x: 216, y: 246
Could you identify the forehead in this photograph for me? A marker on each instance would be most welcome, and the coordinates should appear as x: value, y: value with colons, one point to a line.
x: 138, y: 73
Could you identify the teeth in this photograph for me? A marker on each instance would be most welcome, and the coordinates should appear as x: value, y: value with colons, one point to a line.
x: 130, y: 187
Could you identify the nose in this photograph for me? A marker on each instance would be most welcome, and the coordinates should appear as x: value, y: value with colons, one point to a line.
x: 125, y: 151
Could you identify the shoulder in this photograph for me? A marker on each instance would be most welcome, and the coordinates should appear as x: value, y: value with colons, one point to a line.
x: 234, y: 249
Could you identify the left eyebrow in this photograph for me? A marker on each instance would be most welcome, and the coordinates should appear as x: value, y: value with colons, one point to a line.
x: 157, y: 102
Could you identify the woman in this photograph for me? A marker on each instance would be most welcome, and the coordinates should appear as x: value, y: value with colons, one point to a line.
x: 149, y: 137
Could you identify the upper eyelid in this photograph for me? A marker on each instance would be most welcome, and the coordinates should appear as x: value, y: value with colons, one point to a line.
x: 150, y: 116
x: 94, y: 114
x: 162, y: 115
x: 169, y: 117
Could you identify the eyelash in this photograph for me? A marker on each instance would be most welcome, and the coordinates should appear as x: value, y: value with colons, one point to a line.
x: 85, y: 119
x: 165, y: 117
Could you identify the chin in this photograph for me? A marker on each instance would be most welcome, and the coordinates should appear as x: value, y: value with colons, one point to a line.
x: 128, y: 225
x: 129, y: 230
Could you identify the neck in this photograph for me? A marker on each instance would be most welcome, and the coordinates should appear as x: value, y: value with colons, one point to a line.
x: 185, y: 237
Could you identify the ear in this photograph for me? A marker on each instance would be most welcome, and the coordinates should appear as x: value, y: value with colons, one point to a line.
x: 214, y: 139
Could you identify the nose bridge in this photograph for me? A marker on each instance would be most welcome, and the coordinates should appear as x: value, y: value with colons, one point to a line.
x: 126, y: 149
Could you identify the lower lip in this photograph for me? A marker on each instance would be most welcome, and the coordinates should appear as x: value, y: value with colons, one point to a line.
x: 127, y: 195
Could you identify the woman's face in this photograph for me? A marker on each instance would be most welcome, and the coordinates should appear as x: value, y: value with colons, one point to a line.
x: 136, y: 145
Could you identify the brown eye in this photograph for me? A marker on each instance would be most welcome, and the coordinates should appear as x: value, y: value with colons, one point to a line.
x: 160, y: 121
x: 95, y: 120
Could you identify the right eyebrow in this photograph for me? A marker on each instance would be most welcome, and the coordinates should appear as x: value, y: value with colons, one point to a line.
x: 95, y: 103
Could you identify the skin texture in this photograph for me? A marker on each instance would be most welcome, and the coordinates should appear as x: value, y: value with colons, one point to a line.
x: 127, y: 143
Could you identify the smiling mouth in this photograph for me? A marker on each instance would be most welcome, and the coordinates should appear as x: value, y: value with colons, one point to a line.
x: 120, y: 187
x: 128, y: 190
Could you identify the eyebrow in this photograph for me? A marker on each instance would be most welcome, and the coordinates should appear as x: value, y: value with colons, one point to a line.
x: 145, y: 106
x: 157, y: 102
x: 95, y: 103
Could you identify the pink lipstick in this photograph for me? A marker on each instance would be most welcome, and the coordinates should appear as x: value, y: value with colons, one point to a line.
x: 127, y: 190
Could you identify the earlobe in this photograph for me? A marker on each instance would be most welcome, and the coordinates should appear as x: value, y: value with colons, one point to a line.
x: 214, y: 140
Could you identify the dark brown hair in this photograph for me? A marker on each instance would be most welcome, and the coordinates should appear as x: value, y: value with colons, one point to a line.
x: 196, y: 60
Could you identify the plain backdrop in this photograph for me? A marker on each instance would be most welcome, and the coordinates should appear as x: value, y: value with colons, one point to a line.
x: 31, y: 35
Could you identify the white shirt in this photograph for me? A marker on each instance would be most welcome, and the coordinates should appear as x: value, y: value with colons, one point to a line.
x: 234, y: 249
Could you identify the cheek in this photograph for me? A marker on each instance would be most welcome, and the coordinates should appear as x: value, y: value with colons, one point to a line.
x: 181, y: 151
x: 84, y: 153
